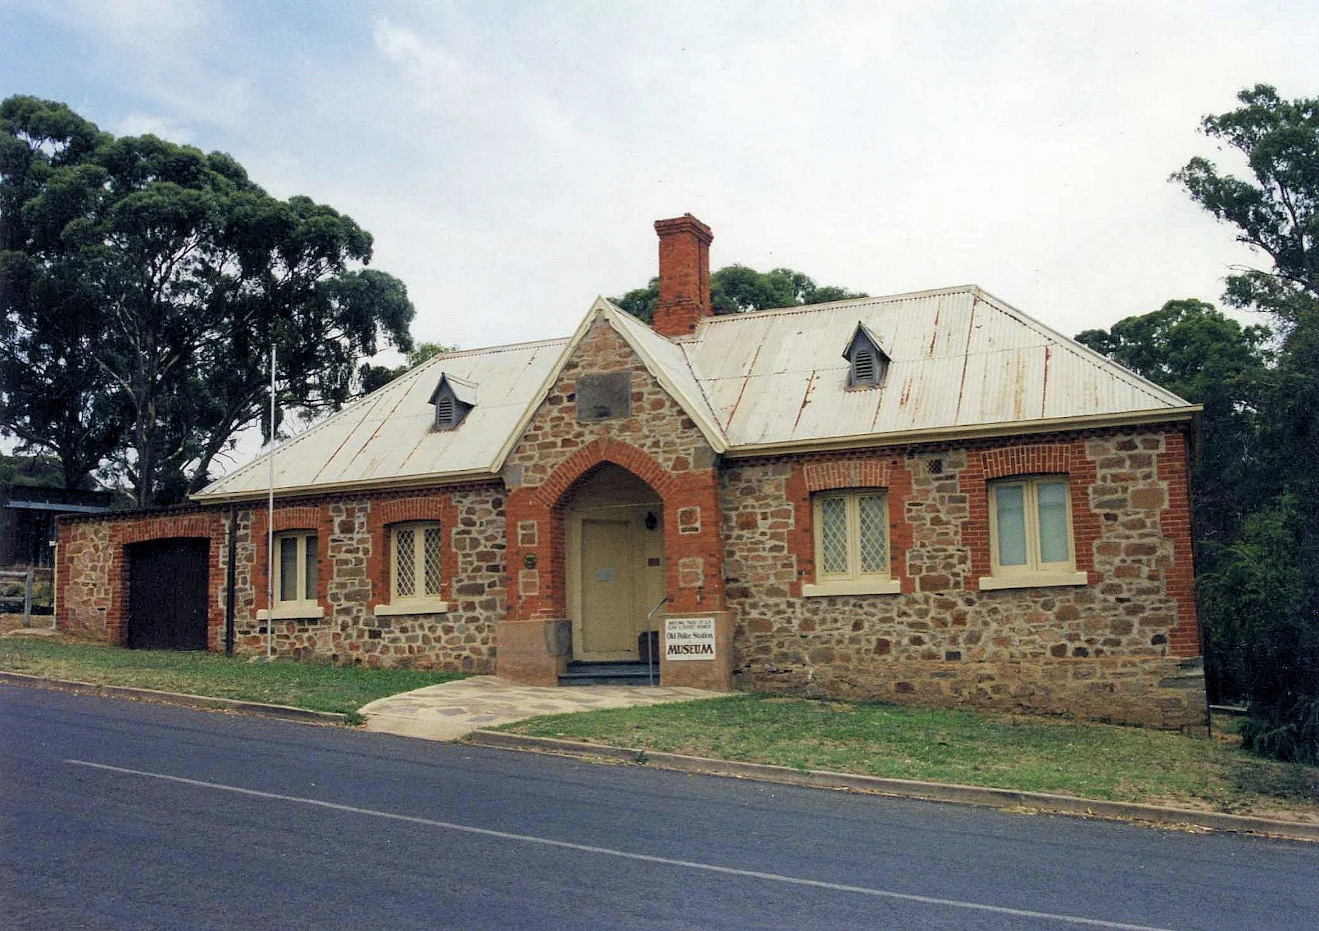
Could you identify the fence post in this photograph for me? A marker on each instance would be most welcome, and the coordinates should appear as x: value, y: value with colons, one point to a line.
x: 27, y: 599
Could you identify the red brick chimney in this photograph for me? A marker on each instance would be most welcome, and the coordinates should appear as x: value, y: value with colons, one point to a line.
x: 684, y: 275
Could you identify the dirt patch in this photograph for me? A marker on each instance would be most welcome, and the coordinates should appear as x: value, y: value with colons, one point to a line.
x: 43, y: 626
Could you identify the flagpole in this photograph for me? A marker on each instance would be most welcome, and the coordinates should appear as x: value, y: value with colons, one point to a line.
x: 270, y: 524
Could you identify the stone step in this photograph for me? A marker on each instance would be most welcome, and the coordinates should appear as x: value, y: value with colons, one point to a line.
x: 609, y: 674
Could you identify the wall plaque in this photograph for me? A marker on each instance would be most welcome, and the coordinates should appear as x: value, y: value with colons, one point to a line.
x: 687, y: 638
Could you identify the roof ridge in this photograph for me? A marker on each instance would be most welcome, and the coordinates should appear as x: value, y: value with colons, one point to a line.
x: 502, y: 347
x: 847, y: 302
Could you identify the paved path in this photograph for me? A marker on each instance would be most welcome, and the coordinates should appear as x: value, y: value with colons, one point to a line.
x: 453, y: 709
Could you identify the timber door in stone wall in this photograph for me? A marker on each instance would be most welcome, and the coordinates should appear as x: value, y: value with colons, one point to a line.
x: 615, y: 564
x: 167, y: 581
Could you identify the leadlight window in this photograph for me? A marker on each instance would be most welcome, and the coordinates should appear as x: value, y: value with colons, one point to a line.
x: 851, y: 536
x: 417, y: 561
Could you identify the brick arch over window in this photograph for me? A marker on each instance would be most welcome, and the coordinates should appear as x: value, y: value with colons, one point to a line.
x: 298, y: 518
x: 1062, y: 458
x: 848, y: 471
x: 1027, y: 460
x: 385, y: 512
x: 694, y: 577
x: 310, y: 518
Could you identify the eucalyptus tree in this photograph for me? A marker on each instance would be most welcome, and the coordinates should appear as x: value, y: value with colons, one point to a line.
x: 149, y: 280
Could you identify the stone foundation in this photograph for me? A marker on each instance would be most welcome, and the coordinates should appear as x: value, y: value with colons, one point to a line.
x: 1161, y: 692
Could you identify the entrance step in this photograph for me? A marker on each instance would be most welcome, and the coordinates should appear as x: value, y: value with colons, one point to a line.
x: 609, y: 674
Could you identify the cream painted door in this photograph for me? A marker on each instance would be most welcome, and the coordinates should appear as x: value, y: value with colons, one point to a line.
x: 621, y: 578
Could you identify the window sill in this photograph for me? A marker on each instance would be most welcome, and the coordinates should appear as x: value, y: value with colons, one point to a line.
x: 864, y: 587
x: 990, y: 583
x: 414, y: 606
x: 304, y: 610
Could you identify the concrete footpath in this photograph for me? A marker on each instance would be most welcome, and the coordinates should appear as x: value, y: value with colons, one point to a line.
x: 452, y: 710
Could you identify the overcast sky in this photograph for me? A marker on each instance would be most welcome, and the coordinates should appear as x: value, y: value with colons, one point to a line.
x: 510, y: 157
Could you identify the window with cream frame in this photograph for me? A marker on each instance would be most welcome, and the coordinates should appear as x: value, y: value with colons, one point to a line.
x: 1030, y: 533
x: 851, y: 543
x: 295, y: 570
x: 416, y: 567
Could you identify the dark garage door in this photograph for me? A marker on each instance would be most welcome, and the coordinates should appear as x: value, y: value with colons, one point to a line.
x: 167, y: 594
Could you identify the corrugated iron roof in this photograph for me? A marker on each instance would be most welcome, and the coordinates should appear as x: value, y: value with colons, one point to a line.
x: 960, y: 360
x: 959, y: 357
x: 388, y: 437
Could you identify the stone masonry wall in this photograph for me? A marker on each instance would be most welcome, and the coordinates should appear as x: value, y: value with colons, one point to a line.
x: 354, y: 576
x: 92, y: 568
x: 83, y: 574
x: 1120, y: 648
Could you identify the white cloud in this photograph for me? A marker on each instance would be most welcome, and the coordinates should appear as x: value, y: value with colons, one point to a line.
x: 142, y: 124
x: 434, y: 72
x: 510, y: 158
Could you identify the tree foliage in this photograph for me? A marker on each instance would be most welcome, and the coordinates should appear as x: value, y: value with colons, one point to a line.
x: 735, y: 289
x: 143, y: 284
x: 1277, y: 212
x: 1262, y: 597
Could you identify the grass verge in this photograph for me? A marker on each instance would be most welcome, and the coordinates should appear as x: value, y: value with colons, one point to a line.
x: 319, y: 687
x: 1011, y: 752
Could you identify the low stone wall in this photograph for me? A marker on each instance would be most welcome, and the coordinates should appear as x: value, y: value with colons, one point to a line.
x: 85, y: 557
x: 1162, y: 692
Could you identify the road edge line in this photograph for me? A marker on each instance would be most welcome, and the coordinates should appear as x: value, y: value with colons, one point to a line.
x: 906, y: 788
x: 201, y: 702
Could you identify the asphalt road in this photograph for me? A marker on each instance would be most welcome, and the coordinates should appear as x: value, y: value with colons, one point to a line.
x: 122, y: 815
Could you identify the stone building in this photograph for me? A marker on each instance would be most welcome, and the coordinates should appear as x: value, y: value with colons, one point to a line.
x: 926, y: 497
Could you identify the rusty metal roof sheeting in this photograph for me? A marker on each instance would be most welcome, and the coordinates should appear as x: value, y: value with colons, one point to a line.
x: 960, y: 359
x: 388, y: 436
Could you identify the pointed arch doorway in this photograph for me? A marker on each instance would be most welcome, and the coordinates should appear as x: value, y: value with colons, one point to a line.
x: 614, y: 549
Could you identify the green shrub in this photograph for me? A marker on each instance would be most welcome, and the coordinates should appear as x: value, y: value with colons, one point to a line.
x: 1262, y: 629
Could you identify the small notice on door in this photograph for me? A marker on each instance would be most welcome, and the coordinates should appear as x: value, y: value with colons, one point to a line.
x: 688, y: 638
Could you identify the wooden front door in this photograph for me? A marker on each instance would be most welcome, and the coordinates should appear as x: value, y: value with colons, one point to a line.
x: 619, y: 576
x: 167, y: 583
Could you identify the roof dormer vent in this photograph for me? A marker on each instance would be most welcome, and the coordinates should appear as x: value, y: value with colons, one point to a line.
x: 453, y: 398
x: 868, y: 363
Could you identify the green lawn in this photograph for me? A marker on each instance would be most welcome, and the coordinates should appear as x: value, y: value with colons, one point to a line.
x: 1034, y: 754
x: 317, y: 686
